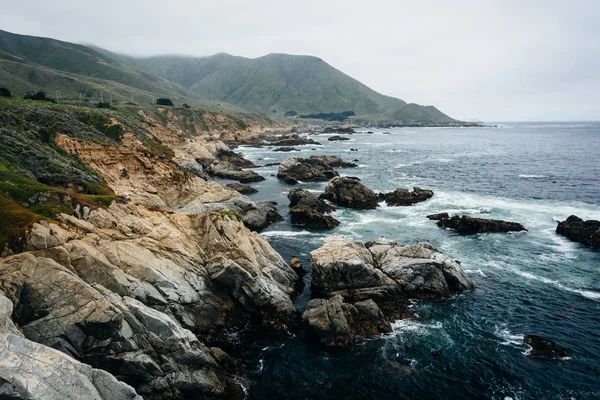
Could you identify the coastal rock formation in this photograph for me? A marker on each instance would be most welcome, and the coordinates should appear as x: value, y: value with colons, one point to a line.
x: 285, y: 149
x: 544, y: 348
x: 307, y: 210
x: 466, y: 225
x: 241, y: 188
x: 384, y: 271
x: 347, y: 131
x: 230, y: 165
x: 92, y: 287
x: 294, y: 169
x: 336, y: 323
x: 402, y: 197
x: 350, y: 192
x: 337, y: 138
x: 334, y: 161
x: 30, y: 370
x: 291, y: 140
x: 578, y: 230
x: 438, y: 217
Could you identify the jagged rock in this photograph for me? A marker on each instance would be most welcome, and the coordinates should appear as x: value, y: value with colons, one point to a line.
x: 350, y: 192
x: 90, y: 294
x: 241, y: 188
x: 308, y: 210
x: 293, y: 140
x: 438, y: 217
x: 336, y: 323
x: 227, y: 170
x: 402, y: 197
x: 29, y: 370
x: 264, y: 214
x: 466, y: 225
x: 194, y: 168
x: 544, y: 348
x: 337, y: 138
x: 348, y: 131
x: 384, y: 271
x: 334, y: 161
x: 285, y: 149
x: 578, y: 230
x: 306, y: 170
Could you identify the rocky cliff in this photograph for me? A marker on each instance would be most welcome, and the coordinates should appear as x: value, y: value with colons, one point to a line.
x: 132, y: 294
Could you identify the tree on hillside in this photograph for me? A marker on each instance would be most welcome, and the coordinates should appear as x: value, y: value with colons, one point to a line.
x: 186, y: 105
x: 4, y: 92
x: 162, y: 101
x: 40, y: 95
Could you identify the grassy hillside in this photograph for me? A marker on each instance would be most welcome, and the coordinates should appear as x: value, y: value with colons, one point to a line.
x: 30, y: 63
x: 282, y: 83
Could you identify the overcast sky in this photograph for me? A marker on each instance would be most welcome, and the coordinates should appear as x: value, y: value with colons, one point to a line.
x: 492, y: 60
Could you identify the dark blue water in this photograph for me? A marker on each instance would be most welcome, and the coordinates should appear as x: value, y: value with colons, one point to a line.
x: 535, y: 282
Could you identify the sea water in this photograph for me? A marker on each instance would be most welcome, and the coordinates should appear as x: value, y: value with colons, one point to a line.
x: 535, y: 282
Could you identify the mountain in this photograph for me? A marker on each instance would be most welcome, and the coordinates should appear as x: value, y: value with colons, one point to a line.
x: 278, y: 83
x: 33, y: 63
x: 274, y: 84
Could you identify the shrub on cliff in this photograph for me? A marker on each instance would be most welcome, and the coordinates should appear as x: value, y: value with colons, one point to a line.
x: 40, y: 95
x: 162, y: 101
x: 4, y: 92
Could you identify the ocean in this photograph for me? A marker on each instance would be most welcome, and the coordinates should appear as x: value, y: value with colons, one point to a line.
x: 470, y: 346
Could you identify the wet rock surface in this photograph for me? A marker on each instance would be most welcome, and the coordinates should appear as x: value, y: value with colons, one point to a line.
x: 544, y: 348
x: 334, y: 161
x: 337, y: 138
x: 335, y: 323
x: 241, y: 188
x: 578, y: 230
x: 309, y: 211
x: 466, y: 225
x: 403, y: 197
x: 350, y: 192
x: 294, y: 169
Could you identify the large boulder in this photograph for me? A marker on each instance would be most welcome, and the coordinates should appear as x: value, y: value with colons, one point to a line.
x: 384, y: 271
x: 334, y: 161
x: 336, y: 323
x: 230, y: 165
x: 241, y: 188
x: 466, y: 225
x: 30, y: 370
x: 339, y: 129
x: 309, y: 211
x: 350, y: 192
x: 403, y: 197
x: 306, y: 170
x: 578, y: 230
x: 544, y: 348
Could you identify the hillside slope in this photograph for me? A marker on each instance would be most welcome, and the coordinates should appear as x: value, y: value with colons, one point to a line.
x: 278, y: 83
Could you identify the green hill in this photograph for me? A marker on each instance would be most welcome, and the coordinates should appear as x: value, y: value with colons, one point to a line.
x: 280, y: 83
x: 30, y: 63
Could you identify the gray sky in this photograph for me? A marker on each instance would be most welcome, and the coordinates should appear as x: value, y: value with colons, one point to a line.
x: 493, y: 60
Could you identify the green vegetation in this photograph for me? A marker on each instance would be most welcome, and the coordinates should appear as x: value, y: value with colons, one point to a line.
x: 290, y: 114
x: 40, y: 95
x: 4, y: 92
x: 344, y: 115
x: 230, y: 213
x: 164, y: 102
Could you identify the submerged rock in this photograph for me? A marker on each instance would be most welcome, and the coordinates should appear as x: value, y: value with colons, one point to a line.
x: 309, y: 211
x: 336, y: 323
x: 307, y: 170
x: 350, y: 192
x: 402, y: 197
x: 544, y: 348
x: 384, y: 270
x: 285, y: 149
x: 337, y: 138
x: 438, y: 217
x: 578, y: 230
x: 466, y: 225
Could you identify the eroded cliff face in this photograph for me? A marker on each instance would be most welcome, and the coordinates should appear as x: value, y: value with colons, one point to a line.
x: 138, y: 288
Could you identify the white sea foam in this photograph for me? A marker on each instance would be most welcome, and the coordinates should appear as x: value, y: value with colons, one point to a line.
x: 289, y: 233
x: 592, y: 295
x: 475, y: 271
x: 509, y: 338
x: 532, y: 176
